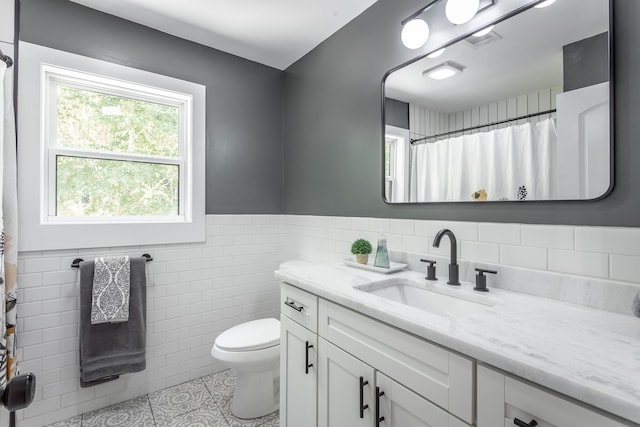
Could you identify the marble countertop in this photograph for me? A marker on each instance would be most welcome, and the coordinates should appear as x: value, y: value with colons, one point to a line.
x: 588, y: 354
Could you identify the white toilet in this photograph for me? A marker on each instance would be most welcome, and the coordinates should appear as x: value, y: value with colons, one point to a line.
x: 253, y: 349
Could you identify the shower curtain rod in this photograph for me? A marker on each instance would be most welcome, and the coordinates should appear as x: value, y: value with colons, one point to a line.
x: 6, y: 59
x: 528, y: 116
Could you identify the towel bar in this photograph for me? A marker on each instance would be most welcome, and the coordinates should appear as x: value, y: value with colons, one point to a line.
x: 76, y: 262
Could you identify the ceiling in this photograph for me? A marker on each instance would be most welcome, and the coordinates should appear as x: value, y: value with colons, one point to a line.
x: 527, y: 58
x: 272, y: 32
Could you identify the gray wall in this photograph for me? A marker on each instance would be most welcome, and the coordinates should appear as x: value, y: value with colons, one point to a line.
x: 586, y: 62
x: 396, y: 113
x: 333, y: 132
x: 244, y: 99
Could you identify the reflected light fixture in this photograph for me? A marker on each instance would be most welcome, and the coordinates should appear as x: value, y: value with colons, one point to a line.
x: 415, y: 33
x: 461, y: 11
x: 443, y: 71
x: 544, y: 4
x: 484, y: 31
x: 436, y: 53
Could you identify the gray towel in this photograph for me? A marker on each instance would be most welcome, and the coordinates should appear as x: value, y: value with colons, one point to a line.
x: 110, y: 349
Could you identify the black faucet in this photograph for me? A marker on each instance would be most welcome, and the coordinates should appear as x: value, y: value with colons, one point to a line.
x: 454, y: 269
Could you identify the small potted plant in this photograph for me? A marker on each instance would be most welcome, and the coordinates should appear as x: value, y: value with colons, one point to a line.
x: 361, y: 249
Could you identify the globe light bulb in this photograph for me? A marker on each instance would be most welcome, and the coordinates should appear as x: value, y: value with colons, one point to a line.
x: 415, y: 33
x: 461, y: 11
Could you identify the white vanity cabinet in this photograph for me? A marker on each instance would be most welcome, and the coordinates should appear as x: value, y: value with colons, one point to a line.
x: 432, y: 373
x: 364, y: 371
x: 369, y: 373
x: 353, y: 394
x: 298, y: 359
x: 507, y: 401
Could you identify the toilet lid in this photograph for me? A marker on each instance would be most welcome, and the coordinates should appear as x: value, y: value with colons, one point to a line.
x: 254, y: 335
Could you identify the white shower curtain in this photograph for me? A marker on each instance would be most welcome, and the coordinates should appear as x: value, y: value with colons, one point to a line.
x: 9, y: 227
x: 500, y: 162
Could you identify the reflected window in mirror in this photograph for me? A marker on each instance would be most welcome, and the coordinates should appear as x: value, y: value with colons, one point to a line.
x: 522, y: 113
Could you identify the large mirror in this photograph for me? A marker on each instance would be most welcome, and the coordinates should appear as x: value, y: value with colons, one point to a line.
x: 518, y: 114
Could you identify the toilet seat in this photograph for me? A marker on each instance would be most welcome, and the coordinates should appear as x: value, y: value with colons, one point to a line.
x: 255, y: 335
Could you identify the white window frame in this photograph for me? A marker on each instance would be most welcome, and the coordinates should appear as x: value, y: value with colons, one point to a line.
x: 401, y: 163
x: 41, y: 69
x: 390, y: 179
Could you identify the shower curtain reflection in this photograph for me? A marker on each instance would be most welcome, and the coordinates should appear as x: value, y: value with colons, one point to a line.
x: 512, y: 163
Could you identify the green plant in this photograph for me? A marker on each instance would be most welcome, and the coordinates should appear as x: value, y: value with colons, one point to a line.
x: 361, y: 247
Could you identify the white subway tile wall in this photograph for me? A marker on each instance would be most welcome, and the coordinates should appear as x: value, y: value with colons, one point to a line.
x: 596, y: 252
x: 196, y: 291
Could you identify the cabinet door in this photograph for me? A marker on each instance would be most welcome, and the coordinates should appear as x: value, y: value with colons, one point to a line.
x: 298, y: 375
x: 440, y: 375
x: 345, y: 389
x: 400, y: 407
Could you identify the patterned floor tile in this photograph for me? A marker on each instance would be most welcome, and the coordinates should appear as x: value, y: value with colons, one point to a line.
x: 180, y: 399
x: 135, y: 412
x: 273, y: 421
x: 225, y: 406
x: 71, y: 422
x: 208, y: 416
x: 186, y: 405
x: 221, y: 384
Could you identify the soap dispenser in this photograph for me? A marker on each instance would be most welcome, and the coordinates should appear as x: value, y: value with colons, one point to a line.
x: 382, y: 255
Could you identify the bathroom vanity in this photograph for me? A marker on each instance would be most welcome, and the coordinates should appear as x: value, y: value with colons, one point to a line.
x: 354, y: 353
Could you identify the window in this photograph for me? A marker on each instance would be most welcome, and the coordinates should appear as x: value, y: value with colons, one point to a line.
x: 121, y: 153
x: 114, y: 152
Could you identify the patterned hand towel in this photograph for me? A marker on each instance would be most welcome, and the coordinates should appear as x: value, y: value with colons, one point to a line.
x: 111, y: 289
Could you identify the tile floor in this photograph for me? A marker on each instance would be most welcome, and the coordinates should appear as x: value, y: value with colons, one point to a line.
x: 204, y: 402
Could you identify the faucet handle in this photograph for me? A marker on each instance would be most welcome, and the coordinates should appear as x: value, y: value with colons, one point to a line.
x: 481, y: 279
x: 431, y: 269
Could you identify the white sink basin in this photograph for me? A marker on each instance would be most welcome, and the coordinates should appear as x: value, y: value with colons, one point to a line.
x: 436, y: 298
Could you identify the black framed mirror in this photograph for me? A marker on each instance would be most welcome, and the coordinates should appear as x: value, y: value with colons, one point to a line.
x: 520, y: 113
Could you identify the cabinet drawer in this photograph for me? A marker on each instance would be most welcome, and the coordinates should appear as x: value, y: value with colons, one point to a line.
x: 502, y: 398
x: 300, y: 306
x: 441, y: 376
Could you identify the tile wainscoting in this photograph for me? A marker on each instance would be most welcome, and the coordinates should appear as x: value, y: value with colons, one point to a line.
x: 595, y: 252
x: 196, y: 291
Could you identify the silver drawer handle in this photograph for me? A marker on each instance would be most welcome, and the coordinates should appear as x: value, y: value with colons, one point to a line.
x: 294, y: 306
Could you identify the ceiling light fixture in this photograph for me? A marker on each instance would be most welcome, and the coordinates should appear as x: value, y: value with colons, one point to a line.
x: 444, y: 70
x: 436, y: 53
x: 484, y: 31
x: 415, y: 33
x: 544, y: 4
x: 461, y: 11
x: 415, y: 30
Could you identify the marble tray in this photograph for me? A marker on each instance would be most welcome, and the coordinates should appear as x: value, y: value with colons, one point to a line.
x: 394, y: 266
